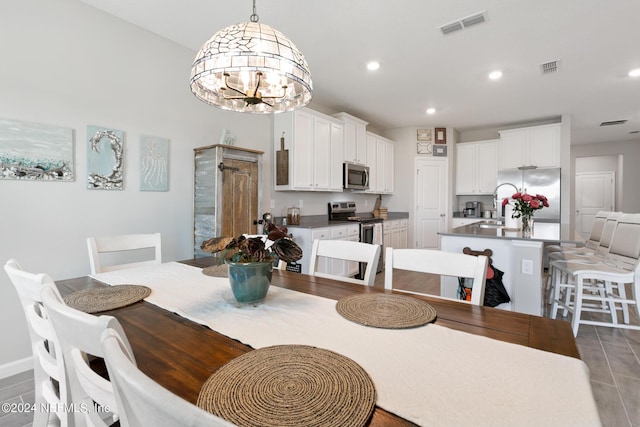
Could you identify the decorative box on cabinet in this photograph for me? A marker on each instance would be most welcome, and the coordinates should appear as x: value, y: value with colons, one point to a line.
x: 531, y: 146
x: 477, y: 167
x: 355, y: 138
x: 314, y: 142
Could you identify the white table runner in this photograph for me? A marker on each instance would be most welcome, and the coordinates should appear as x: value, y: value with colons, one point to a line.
x: 432, y: 375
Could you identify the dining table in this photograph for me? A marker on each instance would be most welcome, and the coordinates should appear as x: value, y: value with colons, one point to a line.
x: 181, y: 354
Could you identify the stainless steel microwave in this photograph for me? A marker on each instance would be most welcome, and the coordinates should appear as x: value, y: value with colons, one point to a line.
x: 356, y: 177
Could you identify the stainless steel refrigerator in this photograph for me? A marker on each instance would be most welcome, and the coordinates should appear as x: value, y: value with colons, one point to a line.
x: 545, y: 181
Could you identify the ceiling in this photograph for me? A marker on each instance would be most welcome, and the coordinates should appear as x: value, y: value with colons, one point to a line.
x: 595, y: 42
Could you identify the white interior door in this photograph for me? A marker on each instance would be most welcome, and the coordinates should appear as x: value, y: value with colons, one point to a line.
x: 595, y: 191
x: 431, y: 201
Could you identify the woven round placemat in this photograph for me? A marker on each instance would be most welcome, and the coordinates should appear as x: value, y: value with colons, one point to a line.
x: 386, y: 311
x: 216, y: 271
x: 290, y: 385
x: 95, y: 300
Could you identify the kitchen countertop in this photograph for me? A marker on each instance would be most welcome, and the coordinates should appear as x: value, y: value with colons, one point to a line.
x: 544, y: 232
x: 319, y: 221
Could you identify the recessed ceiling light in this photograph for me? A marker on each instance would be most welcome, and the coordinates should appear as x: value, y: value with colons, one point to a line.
x: 495, y: 75
x: 431, y: 110
x: 634, y: 73
x: 373, y: 65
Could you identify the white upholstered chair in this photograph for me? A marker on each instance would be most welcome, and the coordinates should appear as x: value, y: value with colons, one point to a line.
x: 48, y: 363
x: 347, y: 251
x: 122, y: 249
x: 602, y: 281
x: 441, y: 263
x: 80, y: 337
x: 142, y: 401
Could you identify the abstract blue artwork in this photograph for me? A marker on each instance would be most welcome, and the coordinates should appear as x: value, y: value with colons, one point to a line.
x: 105, y: 150
x: 154, y: 163
x: 35, y: 151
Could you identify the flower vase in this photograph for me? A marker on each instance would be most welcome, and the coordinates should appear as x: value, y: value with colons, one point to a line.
x: 250, y: 281
x: 527, y: 225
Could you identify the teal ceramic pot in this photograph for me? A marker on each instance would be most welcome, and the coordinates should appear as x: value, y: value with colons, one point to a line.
x: 250, y: 281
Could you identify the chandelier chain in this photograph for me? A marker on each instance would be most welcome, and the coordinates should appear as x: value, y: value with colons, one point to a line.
x: 254, y: 16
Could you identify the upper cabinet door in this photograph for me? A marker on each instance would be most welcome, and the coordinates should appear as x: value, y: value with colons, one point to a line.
x: 544, y: 146
x: 532, y: 146
x: 476, y: 167
x: 513, y: 146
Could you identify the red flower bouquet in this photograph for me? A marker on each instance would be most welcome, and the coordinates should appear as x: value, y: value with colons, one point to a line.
x: 526, y: 204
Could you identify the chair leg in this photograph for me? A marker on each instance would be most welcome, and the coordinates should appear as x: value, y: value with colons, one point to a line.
x: 577, y: 306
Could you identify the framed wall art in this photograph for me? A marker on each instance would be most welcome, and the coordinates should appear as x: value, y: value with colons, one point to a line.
x: 105, y: 158
x: 441, y: 135
x: 154, y: 163
x: 35, y: 151
x: 424, y: 135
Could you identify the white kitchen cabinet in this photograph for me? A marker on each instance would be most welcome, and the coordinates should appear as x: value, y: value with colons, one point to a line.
x: 531, y: 146
x: 355, y: 138
x: 397, y: 236
x: 477, y: 167
x: 304, y: 237
x: 314, y: 142
x: 380, y: 158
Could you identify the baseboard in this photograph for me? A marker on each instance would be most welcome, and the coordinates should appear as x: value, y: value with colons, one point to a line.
x: 16, y: 367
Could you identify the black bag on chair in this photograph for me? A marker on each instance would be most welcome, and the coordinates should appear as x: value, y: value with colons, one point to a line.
x: 494, y: 290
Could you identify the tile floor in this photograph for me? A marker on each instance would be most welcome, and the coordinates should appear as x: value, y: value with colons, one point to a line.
x: 612, y: 355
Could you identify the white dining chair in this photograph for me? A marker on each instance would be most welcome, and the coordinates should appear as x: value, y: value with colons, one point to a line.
x: 48, y: 364
x: 142, y: 401
x: 125, y: 251
x: 79, y: 336
x: 345, y: 250
x: 441, y: 263
x: 583, y: 282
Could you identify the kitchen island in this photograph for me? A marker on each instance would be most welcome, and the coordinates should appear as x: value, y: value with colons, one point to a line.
x: 521, y: 259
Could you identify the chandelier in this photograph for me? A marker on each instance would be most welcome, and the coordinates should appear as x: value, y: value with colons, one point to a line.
x: 251, y: 67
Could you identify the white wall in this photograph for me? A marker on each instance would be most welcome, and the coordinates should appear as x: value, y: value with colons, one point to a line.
x: 627, y: 199
x: 66, y: 64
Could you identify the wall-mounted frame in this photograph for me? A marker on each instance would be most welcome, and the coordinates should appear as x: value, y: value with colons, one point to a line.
x: 35, y: 151
x: 105, y: 166
x: 424, y: 147
x: 154, y: 163
x: 441, y: 135
x: 440, y: 151
x: 424, y: 135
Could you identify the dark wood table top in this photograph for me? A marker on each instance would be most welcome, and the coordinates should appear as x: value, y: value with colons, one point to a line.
x: 181, y: 355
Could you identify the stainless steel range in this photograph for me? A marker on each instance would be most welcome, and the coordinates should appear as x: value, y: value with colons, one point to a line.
x: 371, y: 229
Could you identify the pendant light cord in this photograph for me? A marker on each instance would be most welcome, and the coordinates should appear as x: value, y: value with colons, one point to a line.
x: 254, y: 16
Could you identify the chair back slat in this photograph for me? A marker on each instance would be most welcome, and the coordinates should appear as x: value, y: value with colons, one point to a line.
x: 440, y: 263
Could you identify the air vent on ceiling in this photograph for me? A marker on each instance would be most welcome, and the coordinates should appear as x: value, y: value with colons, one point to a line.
x: 549, y: 67
x: 613, y: 123
x: 476, y: 18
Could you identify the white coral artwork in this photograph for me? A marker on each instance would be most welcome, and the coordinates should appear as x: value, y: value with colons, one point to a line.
x: 154, y: 163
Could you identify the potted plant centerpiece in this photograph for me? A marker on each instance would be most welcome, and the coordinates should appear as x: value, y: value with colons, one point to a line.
x: 250, y: 260
x: 524, y: 207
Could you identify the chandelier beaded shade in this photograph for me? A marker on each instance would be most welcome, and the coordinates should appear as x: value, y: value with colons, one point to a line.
x: 251, y: 67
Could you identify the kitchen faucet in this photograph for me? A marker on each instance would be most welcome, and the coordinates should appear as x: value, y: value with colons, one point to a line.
x: 495, y: 193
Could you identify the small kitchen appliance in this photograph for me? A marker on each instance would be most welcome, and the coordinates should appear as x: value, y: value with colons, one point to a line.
x: 472, y: 210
